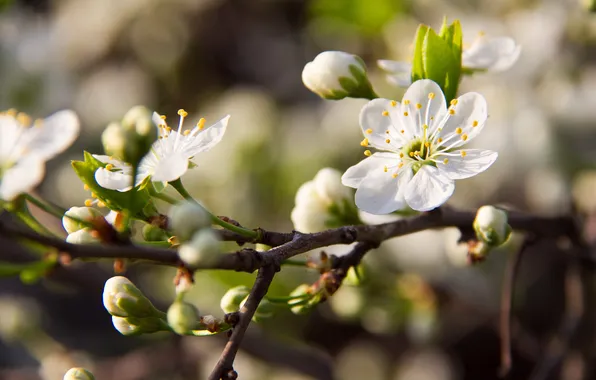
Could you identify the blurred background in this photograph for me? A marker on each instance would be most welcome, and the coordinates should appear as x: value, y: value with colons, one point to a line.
x: 420, y: 312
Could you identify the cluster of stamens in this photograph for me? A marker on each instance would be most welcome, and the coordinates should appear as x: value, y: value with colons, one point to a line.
x: 94, y: 200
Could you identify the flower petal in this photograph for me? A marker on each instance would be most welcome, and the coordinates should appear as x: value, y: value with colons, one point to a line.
x: 470, y: 114
x: 381, y: 193
x: 10, y: 132
x: 57, y: 132
x: 494, y: 54
x: 170, y: 168
x: 202, y: 140
x: 400, y: 73
x: 428, y: 189
x: 355, y: 174
x: 21, y: 177
x: 419, y: 107
x: 475, y: 162
x: 379, y: 116
x: 118, y: 180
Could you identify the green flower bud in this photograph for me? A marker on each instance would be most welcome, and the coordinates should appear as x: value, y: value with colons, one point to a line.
x: 71, y: 218
x: 336, y: 75
x: 78, y: 374
x: 122, y: 298
x: 132, y: 326
x: 264, y: 310
x: 84, y: 236
x: 186, y: 218
x: 302, y: 305
x: 231, y: 301
x: 140, y: 132
x: 182, y: 317
x: 202, y: 250
x: 113, y: 140
x: 154, y: 233
x: 491, y: 226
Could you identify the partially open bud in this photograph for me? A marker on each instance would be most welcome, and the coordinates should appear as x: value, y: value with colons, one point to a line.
x: 140, y: 132
x: 336, y: 75
x: 186, y: 218
x: 113, y: 140
x: 132, y: 326
x: 154, y: 233
x: 264, y: 310
x: 78, y: 374
x: 84, y: 236
x: 182, y: 317
x: 305, y: 299
x: 71, y: 218
x: 202, y: 250
x: 491, y: 226
x: 231, y: 301
x: 122, y: 298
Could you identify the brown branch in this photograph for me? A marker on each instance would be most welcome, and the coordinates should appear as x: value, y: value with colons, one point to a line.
x: 224, y: 368
x: 508, y: 287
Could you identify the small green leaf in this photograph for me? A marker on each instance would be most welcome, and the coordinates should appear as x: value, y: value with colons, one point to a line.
x: 440, y: 64
x: 418, y: 71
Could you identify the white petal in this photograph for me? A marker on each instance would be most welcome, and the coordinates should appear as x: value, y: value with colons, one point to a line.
x: 170, y: 168
x: 495, y: 54
x: 110, y: 160
x: 202, y: 140
x: 432, y: 107
x: 10, y: 131
x: 21, y: 178
x: 470, y: 115
x: 395, y: 67
x: 57, y: 133
x: 428, y: 189
x: 475, y: 162
x: 355, y: 174
x: 113, y: 180
x: 157, y: 120
x: 381, y: 193
x: 379, y: 116
x: 402, y: 81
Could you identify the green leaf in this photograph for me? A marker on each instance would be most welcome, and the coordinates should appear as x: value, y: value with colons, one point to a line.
x: 440, y: 64
x: 418, y: 71
x: 115, y: 200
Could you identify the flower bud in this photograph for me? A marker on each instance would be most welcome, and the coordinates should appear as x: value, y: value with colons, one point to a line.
x: 78, y: 374
x: 113, y: 140
x: 71, y: 218
x: 202, y: 250
x: 231, y: 301
x: 154, y: 233
x: 140, y: 132
x: 122, y: 298
x: 491, y: 225
x: 182, y: 317
x: 304, y: 301
x: 132, y: 326
x: 336, y: 75
x: 589, y: 5
x: 19, y: 318
x: 84, y: 236
x: 264, y: 310
x: 186, y: 218
x: 329, y: 187
x: 211, y: 323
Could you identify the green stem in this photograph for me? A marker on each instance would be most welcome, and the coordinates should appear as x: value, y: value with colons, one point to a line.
x: 50, y: 209
x: 288, y: 298
x: 164, y: 197
x: 177, y: 184
x: 25, y: 215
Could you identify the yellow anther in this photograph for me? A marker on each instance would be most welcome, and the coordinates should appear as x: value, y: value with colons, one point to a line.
x: 451, y: 111
x: 388, y: 141
x: 11, y: 112
x: 93, y: 195
x: 425, y: 126
x: 402, y: 131
x: 393, y: 103
x: 432, y: 118
x: 159, y: 137
x: 385, y: 113
x: 201, y: 123
x: 162, y: 117
x: 401, y: 155
x: 109, y: 167
x: 385, y: 169
x: 439, y: 140
x: 463, y: 153
x: 446, y: 161
x: 454, y: 102
x: 464, y: 137
x: 411, y: 154
x: 418, y: 105
x: 387, y: 132
x: 401, y: 164
x: 173, y: 240
x: 364, y: 142
x: 427, y: 144
x: 86, y: 187
x: 38, y: 123
x: 367, y: 153
x: 163, y: 125
x: 186, y: 133
x: 368, y: 131
x: 475, y: 123
x: 100, y: 204
x: 406, y: 113
x: 406, y: 102
x: 88, y: 202
x: 458, y: 130
x: 394, y: 175
x: 481, y: 33
x: 24, y: 119
x: 431, y: 95
x: 168, y: 129
x: 182, y: 113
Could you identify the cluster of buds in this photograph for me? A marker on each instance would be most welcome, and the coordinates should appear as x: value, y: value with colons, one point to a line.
x: 190, y: 223
x: 324, y: 203
x: 132, y: 312
x: 86, y: 225
x: 492, y: 230
x: 236, y: 297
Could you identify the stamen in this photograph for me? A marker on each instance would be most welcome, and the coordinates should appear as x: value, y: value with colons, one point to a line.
x: 387, y: 132
x: 367, y: 153
x: 401, y: 164
x: 454, y: 102
x: 86, y: 187
x: 385, y: 169
x: 431, y: 95
x: 182, y: 113
x: 385, y: 113
x: 406, y: 113
x: 93, y: 195
x: 364, y: 142
x: 88, y: 202
x: 406, y: 102
x: 162, y: 117
x: 388, y: 141
x: 100, y: 204
x: 187, y: 132
x: 439, y: 140
x: 24, y: 119
x: 201, y: 123
x: 401, y: 155
x: 427, y: 144
x: 402, y: 131
x: 451, y: 111
x: 393, y: 103
x: 38, y: 123
x: 464, y: 137
x: 394, y: 175
x: 11, y: 112
x: 445, y: 161
x: 109, y: 167
x: 475, y: 123
x: 418, y: 106
x: 463, y: 153
x: 411, y: 154
x: 368, y: 131
x: 458, y: 130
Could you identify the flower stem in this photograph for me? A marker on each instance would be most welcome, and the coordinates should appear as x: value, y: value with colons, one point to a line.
x: 177, y: 184
x: 164, y: 197
x: 54, y: 210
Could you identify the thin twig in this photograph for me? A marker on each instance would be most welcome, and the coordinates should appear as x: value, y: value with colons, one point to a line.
x: 508, y: 287
x: 224, y: 368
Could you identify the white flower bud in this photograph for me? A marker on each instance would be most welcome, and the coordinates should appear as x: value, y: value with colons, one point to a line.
x: 231, y: 301
x: 71, y: 218
x: 19, y: 317
x: 78, y: 374
x: 335, y: 75
x: 122, y: 298
x: 491, y: 225
x: 186, y: 218
x: 182, y: 317
x: 84, y: 236
x: 202, y: 250
x: 329, y: 187
x: 139, y: 119
x: 264, y: 310
x: 131, y: 326
x: 113, y: 140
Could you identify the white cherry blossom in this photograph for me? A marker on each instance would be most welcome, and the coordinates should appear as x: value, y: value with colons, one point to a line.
x: 420, y: 143
x: 26, y: 145
x: 169, y: 156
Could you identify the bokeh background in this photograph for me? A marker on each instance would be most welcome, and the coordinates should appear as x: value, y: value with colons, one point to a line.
x: 420, y: 312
